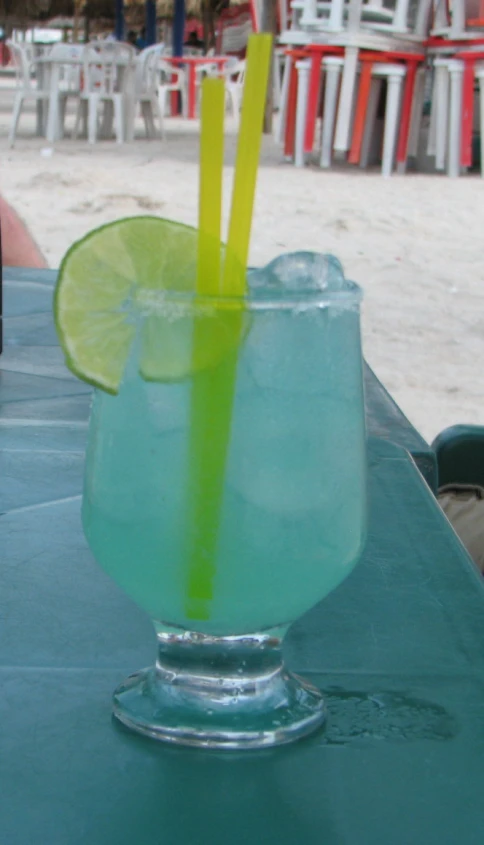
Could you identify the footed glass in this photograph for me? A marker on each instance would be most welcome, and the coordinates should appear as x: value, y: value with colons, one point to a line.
x: 291, y: 511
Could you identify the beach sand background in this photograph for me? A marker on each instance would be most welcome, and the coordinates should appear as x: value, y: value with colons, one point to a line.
x: 415, y: 242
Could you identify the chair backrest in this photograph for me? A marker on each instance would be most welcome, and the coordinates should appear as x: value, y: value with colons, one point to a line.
x: 124, y: 51
x: 236, y: 72
x: 392, y: 16
x: 231, y: 65
x: 100, y: 70
x: 325, y: 15
x: 114, y: 51
x: 31, y: 51
x: 466, y: 18
x: 69, y: 74
x: 233, y: 38
x: 22, y: 65
x: 167, y: 71
x: 66, y: 51
x: 147, y: 76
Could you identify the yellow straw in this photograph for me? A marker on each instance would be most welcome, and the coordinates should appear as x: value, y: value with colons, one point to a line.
x: 214, y: 388
x: 248, y: 150
x: 210, y: 201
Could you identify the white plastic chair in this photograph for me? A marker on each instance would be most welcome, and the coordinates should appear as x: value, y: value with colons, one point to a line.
x: 354, y: 25
x: 25, y: 86
x: 446, y: 116
x: 70, y: 74
x: 105, y: 63
x: 333, y: 68
x: 64, y: 82
x: 394, y: 75
x: 172, y: 78
x: 339, y: 15
x: 147, y: 81
x: 461, y: 23
x: 234, y: 37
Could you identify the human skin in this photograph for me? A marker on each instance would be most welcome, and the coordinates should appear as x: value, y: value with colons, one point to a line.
x: 18, y: 246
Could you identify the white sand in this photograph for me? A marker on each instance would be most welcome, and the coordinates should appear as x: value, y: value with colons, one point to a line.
x: 414, y: 243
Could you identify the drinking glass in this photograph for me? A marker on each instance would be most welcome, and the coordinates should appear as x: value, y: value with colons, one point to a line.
x: 291, y: 511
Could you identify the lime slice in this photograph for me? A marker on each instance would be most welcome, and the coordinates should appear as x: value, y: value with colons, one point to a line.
x: 109, y: 277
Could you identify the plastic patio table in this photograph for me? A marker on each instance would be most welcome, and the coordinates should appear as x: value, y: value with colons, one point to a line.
x: 397, y: 649
x: 49, y: 76
x: 192, y: 62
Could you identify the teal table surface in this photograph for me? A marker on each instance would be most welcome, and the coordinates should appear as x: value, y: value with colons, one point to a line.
x: 398, y: 650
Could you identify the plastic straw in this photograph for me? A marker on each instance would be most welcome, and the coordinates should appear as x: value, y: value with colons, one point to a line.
x: 248, y: 150
x: 210, y: 200
x: 213, y: 389
x: 208, y: 419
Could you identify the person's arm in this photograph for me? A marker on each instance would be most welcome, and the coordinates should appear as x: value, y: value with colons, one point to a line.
x: 18, y: 246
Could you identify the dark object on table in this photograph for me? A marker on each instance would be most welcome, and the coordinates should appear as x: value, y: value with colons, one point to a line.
x: 460, y: 459
x: 460, y: 455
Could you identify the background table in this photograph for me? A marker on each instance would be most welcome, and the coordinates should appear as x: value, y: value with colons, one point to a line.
x: 194, y: 62
x: 49, y: 68
x: 398, y: 648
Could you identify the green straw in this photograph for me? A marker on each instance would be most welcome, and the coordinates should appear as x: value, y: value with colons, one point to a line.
x: 206, y: 454
x: 210, y: 200
x: 248, y: 151
x: 214, y: 388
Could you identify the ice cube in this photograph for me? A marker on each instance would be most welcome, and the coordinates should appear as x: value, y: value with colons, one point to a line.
x: 298, y: 272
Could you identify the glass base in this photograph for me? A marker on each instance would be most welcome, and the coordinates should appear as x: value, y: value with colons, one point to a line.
x: 219, y: 692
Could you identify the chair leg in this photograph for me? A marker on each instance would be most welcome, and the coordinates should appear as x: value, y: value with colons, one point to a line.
x: 283, y: 102
x: 151, y: 121
x: 79, y: 109
x: 233, y: 96
x: 343, y: 125
x: 156, y: 111
x: 416, y: 118
x: 61, y: 114
x: 229, y: 105
x: 162, y: 92
x: 360, y: 112
x: 303, y: 68
x: 81, y: 115
x: 441, y: 116
x: 17, y: 108
x: 53, y: 118
x: 92, y: 115
x: 118, y: 118
x: 106, y: 128
x: 145, y: 115
x: 130, y: 119
x: 391, y: 123
x: 371, y: 113
x: 406, y: 111
x: 184, y: 102
x: 456, y: 70
x: 331, y: 90
x: 276, y: 82
x: 432, y: 138
x: 481, y: 120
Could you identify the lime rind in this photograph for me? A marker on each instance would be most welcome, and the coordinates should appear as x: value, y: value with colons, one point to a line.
x: 102, y: 298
